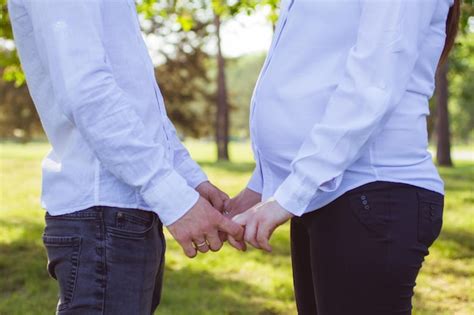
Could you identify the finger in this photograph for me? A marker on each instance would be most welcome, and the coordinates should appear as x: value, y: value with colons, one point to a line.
x: 236, y: 244
x: 201, y: 244
x: 217, y: 201
x: 189, y: 249
x: 251, y: 234
x: 241, y: 218
x: 214, y: 241
x: 227, y: 204
x: 224, y: 196
x: 222, y: 236
x: 264, y: 232
x: 230, y: 227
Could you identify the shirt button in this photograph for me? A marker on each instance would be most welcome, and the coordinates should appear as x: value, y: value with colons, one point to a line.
x: 363, y: 197
x: 367, y: 207
x: 364, y: 202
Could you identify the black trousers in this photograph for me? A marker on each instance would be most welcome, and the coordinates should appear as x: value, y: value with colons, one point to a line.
x: 361, y: 254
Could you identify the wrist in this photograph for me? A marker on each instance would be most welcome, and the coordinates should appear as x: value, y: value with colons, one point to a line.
x: 285, y: 212
x: 251, y: 195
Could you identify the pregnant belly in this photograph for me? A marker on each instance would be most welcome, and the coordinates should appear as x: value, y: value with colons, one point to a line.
x: 279, y: 134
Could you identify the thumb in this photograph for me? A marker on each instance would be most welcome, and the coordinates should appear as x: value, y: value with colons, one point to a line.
x: 240, y: 219
x: 227, y: 204
x: 232, y: 228
x: 217, y: 201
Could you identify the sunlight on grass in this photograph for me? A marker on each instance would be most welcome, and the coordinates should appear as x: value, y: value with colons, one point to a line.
x: 227, y: 282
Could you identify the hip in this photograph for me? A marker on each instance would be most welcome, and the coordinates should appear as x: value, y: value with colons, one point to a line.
x: 105, y: 256
x: 385, y: 211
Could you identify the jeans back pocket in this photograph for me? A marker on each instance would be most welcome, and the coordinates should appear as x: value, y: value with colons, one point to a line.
x: 63, y: 263
x: 430, y: 216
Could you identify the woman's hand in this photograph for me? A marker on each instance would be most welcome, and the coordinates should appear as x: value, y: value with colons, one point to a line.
x: 245, y: 200
x: 260, y: 221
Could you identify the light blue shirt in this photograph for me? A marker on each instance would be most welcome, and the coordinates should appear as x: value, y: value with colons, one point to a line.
x: 92, y: 81
x: 343, y: 97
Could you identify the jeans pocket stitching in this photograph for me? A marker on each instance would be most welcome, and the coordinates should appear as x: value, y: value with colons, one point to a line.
x: 127, y: 234
x: 74, y: 242
x: 137, y: 220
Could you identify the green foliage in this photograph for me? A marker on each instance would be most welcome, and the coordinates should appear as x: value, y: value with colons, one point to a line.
x: 186, y: 70
x: 240, y: 91
x: 5, y: 29
x: 462, y: 88
x: 227, y: 282
x: 8, y: 58
x: 182, y: 71
x: 461, y: 85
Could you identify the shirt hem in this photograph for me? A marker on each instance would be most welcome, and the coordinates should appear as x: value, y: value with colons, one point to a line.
x: 316, y: 205
x: 55, y: 212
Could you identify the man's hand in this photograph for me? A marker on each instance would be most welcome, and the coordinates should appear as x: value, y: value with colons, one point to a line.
x: 242, y: 202
x: 260, y: 222
x: 198, y: 229
x: 214, y: 195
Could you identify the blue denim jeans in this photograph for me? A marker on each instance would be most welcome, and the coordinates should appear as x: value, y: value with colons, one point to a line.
x: 106, y: 260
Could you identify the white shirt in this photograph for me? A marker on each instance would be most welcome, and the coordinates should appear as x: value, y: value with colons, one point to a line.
x: 343, y: 97
x: 93, y: 84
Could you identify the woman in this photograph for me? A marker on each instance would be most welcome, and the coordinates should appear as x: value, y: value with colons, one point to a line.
x: 338, y: 124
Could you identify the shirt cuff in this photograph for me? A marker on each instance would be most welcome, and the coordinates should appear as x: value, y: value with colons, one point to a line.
x: 295, y: 194
x: 192, y: 172
x: 170, y: 197
x: 256, y: 181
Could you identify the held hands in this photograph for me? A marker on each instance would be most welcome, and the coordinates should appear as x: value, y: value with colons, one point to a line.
x: 214, y: 195
x: 260, y: 221
x: 204, y: 227
x: 199, y: 228
x: 242, y: 202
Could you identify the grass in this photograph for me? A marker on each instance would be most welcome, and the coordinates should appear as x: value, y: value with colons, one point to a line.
x: 227, y: 282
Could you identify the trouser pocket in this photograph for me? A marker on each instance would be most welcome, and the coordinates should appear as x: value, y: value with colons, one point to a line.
x: 131, y: 223
x: 430, y: 216
x: 63, y: 263
x: 372, y: 210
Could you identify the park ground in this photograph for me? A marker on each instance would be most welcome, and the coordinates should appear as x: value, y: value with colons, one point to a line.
x: 227, y: 282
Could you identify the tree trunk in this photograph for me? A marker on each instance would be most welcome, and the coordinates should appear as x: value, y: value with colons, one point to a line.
x: 222, y: 118
x: 443, y: 154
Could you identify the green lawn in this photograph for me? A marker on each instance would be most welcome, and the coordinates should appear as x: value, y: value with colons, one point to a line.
x: 227, y: 282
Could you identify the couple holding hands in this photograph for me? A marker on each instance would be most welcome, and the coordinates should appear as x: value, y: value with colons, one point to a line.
x: 338, y: 126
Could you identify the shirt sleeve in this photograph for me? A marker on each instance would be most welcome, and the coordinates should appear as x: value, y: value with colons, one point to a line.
x: 183, y: 163
x: 70, y: 42
x: 377, y: 72
x: 256, y: 181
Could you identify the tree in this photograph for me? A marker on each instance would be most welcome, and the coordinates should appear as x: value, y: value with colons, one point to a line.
x: 443, y: 154
x: 443, y: 133
x: 222, y: 118
x: 224, y: 9
x: 462, y: 88
x: 182, y: 71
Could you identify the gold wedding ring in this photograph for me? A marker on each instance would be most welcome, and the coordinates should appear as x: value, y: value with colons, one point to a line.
x: 201, y: 245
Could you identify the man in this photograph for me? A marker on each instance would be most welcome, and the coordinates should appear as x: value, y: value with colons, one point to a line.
x: 116, y: 163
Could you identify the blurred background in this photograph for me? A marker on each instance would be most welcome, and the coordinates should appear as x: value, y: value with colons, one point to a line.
x: 208, y: 55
